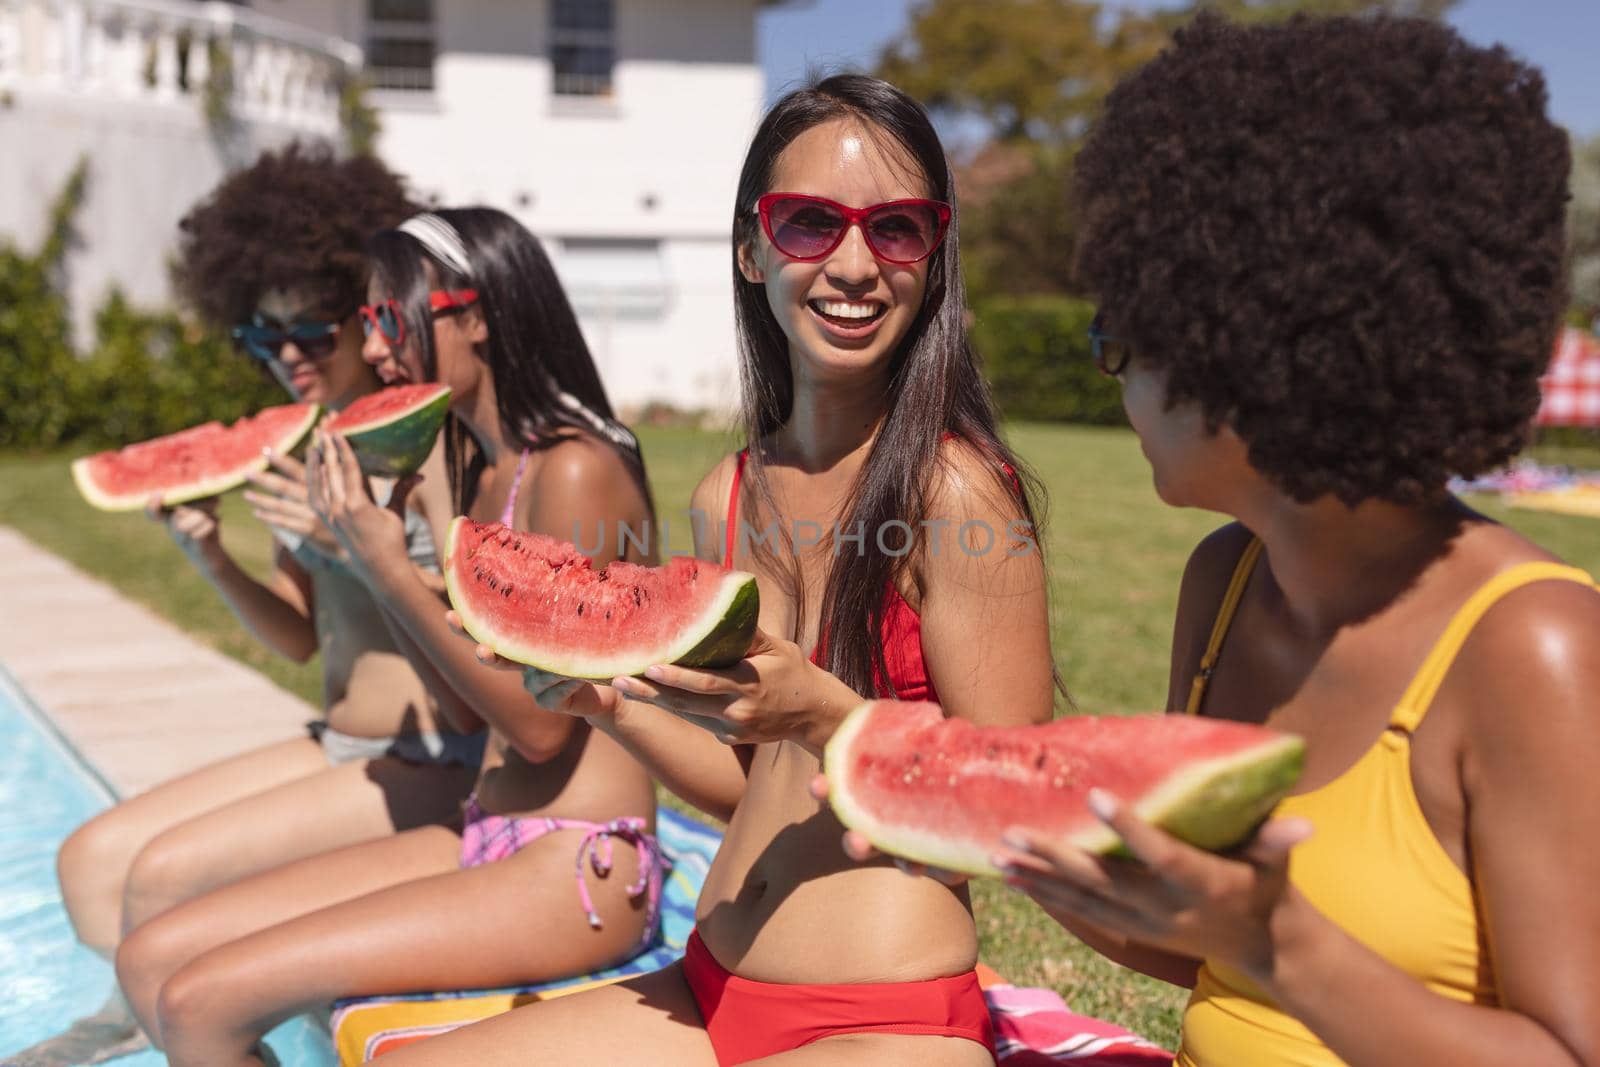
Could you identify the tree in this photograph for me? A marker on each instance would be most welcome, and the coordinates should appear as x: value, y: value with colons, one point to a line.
x: 1033, y: 73
x: 1583, y: 227
x: 1034, y: 70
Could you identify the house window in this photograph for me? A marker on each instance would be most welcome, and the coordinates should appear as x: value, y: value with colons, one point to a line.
x: 613, y: 278
x: 583, y: 46
x: 400, y: 44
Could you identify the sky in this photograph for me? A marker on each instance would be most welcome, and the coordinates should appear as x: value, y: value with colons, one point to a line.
x: 1561, y: 37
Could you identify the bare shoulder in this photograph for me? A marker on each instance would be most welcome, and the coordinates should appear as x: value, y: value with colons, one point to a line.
x: 710, y: 497
x: 970, y: 482
x: 1532, y: 662
x: 581, y: 463
x: 1212, y: 562
x: 974, y: 534
x: 1205, y: 582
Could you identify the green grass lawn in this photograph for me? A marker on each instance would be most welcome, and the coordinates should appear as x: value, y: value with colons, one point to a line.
x: 1115, y: 553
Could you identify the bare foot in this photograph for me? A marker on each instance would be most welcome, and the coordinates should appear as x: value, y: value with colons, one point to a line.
x: 84, y: 1042
x: 107, y: 1034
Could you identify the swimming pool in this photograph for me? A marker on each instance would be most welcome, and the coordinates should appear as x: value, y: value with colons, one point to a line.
x: 46, y: 978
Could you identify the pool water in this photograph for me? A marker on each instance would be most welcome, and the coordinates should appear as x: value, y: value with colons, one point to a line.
x: 46, y: 978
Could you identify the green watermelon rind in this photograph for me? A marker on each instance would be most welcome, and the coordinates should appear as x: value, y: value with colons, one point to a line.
x: 1214, y: 804
x: 397, y: 444
x: 720, y: 637
x: 200, y: 490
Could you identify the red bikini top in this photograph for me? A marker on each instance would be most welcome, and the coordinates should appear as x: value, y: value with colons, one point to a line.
x: 902, y: 627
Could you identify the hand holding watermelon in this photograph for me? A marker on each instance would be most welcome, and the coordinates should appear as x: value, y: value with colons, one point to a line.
x: 579, y: 697
x: 1170, y: 895
x: 943, y: 790
x: 281, y: 501
x: 194, y: 527
x: 774, y: 694
x: 373, y: 536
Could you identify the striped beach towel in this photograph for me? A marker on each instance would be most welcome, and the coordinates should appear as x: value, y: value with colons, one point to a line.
x: 1035, y: 1028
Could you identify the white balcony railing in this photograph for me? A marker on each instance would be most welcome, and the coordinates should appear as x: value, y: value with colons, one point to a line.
x: 220, y: 58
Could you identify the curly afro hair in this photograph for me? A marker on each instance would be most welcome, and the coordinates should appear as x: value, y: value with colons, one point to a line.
x: 1342, y: 238
x: 299, y: 218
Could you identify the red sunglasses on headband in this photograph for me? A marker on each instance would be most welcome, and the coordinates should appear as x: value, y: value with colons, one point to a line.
x: 808, y: 228
x: 387, y: 320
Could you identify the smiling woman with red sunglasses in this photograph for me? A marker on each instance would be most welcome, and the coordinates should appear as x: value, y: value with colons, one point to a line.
x: 277, y: 252
x: 867, y: 420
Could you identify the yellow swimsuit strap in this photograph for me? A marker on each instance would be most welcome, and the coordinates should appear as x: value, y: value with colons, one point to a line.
x: 1425, y: 685
x: 1219, y: 628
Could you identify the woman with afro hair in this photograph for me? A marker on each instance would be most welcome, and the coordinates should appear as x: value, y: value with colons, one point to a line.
x: 1329, y: 261
x: 277, y: 255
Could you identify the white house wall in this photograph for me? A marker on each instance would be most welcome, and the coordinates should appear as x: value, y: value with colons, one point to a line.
x: 652, y: 169
x: 147, y: 165
x: 657, y: 161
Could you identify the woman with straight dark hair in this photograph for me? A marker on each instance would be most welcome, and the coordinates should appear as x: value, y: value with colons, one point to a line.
x: 466, y: 298
x: 895, y: 551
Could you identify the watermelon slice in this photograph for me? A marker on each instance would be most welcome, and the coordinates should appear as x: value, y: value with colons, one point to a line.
x: 942, y: 791
x: 538, y: 601
x: 393, y: 429
x: 191, y: 464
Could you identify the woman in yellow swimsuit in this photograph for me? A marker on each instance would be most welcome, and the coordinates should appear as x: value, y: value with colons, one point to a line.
x: 1329, y: 260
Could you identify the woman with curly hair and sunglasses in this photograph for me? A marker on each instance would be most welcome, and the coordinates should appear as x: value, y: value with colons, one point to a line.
x: 1329, y: 258
x: 892, y: 542
x: 277, y: 254
x: 466, y: 297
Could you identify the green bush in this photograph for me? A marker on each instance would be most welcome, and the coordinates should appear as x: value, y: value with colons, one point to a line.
x: 1035, y: 352
x: 148, y: 373
x: 152, y: 374
x: 37, y: 369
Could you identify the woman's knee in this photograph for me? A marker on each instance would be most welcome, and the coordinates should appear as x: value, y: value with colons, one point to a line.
x: 189, y: 1000
x: 92, y: 866
x: 170, y: 869
x: 148, y: 957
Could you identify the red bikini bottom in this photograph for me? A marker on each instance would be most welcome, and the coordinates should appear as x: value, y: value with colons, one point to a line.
x: 747, y: 1020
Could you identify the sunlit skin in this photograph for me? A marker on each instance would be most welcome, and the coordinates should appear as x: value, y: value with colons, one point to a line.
x: 779, y: 877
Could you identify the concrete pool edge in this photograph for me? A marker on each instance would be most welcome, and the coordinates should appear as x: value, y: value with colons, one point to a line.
x: 11, y: 689
x: 150, y: 702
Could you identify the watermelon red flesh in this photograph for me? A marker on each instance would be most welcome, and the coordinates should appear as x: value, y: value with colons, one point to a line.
x: 943, y: 791
x: 393, y: 430
x: 191, y: 464
x: 538, y: 601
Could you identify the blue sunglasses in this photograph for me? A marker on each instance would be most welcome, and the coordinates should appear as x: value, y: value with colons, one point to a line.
x: 264, y: 338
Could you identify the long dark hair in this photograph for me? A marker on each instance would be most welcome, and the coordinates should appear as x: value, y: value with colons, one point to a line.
x: 935, y: 388
x: 545, y: 380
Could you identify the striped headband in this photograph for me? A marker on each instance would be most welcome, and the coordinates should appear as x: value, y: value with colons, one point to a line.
x: 611, y: 430
x: 441, y: 239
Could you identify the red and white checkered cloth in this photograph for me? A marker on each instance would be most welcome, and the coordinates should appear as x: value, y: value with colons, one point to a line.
x: 1571, y: 385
